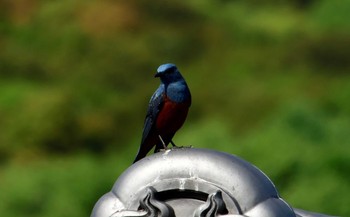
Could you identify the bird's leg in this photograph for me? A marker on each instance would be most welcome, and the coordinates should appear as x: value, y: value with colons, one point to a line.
x: 173, y: 144
x: 161, y: 139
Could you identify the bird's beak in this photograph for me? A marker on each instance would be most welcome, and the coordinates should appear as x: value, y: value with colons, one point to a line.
x: 157, y: 75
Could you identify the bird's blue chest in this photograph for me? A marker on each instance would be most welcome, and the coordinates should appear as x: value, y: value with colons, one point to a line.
x: 178, y: 92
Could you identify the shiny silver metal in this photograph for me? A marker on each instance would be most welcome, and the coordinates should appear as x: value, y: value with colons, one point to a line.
x: 195, y: 183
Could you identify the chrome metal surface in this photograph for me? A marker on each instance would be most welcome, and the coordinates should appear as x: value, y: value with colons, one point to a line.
x: 194, y: 182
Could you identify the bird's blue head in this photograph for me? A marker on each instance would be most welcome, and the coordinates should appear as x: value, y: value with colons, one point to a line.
x: 168, y: 73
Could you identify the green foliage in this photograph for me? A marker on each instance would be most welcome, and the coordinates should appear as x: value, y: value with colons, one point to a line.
x: 57, y: 187
x: 269, y: 79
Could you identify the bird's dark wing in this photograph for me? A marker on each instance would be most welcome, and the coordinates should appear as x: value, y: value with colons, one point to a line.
x: 154, y: 107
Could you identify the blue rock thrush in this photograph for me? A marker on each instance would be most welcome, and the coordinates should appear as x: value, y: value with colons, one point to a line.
x: 167, y: 110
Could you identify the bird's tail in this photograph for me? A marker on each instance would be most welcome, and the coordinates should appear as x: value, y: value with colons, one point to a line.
x: 145, y: 147
x: 148, y: 144
x: 139, y: 156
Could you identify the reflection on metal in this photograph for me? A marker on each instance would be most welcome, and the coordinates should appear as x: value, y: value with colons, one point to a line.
x: 190, y: 182
x: 215, y: 205
x: 150, y: 205
x: 153, y: 206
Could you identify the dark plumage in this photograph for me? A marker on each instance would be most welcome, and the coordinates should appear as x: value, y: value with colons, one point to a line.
x: 167, y: 110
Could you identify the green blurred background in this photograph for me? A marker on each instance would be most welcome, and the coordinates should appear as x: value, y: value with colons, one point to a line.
x: 270, y: 82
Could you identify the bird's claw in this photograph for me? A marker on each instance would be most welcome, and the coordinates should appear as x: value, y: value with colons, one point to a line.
x: 182, y: 146
x: 163, y: 149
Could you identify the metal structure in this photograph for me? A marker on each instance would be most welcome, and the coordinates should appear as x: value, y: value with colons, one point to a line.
x: 188, y: 182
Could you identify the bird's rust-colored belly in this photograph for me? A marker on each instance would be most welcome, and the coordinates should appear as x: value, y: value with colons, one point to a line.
x: 171, y: 117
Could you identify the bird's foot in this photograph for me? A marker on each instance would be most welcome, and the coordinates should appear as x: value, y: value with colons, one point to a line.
x: 182, y: 146
x: 175, y: 146
x: 163, y: 143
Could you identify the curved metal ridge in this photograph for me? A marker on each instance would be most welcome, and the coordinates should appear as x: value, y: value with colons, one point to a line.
x: 155, y: 207
x: 189, y: 182
x: 214, y: 206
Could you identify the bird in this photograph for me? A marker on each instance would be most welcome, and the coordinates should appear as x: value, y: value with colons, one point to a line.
x: 167, y: 110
